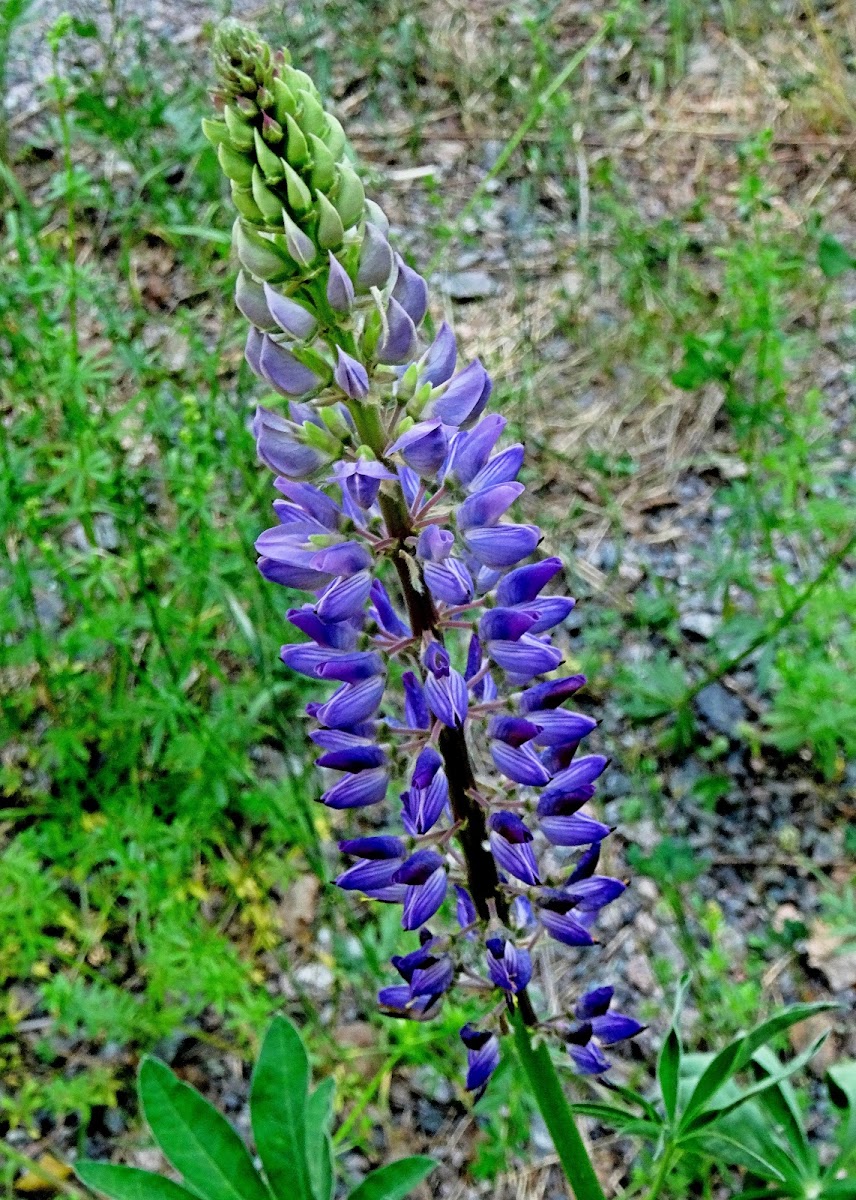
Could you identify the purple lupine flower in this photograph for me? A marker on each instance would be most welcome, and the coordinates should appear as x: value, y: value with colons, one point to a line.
x: 433, y: 634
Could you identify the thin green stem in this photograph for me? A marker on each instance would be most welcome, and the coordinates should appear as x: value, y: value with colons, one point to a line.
x: 665, y: 1165
x: 547, y: 1092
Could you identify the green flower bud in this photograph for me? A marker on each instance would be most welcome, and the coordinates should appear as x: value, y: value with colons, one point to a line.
x: 334, y: 137
x: 264, y: 98
x: 407, y: 382
x: 284, y: 102
x: 298, y: 151
x: 299, y: 195
x: 349, y: 195
x: 268, y: 202
x: 240, y: 133
x: 331, y: 231
x: 298, y: 81
x: 271, y: 130
x: 300, y: 247
x: 403, y: 425
x: 323, y: 172
x: 243, y: 61
x: 258, y: 255
x: 217, y: 132
x: 420, y: 399
x: 372, y: 331
x: 234, y: 165
x: 243, y: 200
x: 246, y: 107
x: 321, y: 439
x: 336, y: 423
x: 312, y: 117
x: 271, y: 164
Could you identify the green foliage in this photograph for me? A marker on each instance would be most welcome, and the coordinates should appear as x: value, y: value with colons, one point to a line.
x: 290, y: 1125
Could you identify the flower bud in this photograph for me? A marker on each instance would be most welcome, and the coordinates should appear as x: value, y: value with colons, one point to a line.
x: 299, y: 195
x: 240, y: 133
x: 284, y: 102
x: 349, y: 195
x: 290, y: 316
x: 312, y: 117
x: 330, y: 232
x: 298, y: 151
x: 376, y: 261
x: 300, y: 247
x: 351, y: 376
x: 321, y: 439
x: 400, y: 340
x: 257, y: 254
x: 217, y: 132
x: 340, y: 290
x: 323, y: 172
x: 271, y: 130
x: 271, y: 165
x: 243, y: 200
x: 250, y: 299
x: 234, y: 165
x: 333, y: 136
x: 378, y: 218
x: 268, y: 202
x: 285, y: 372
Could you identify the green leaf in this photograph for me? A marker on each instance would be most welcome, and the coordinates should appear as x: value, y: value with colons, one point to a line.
x: 629, y: 1096
x: 737, y: 1054
x: 394, y: 1181
x: 620, y: 1119
x: 669, y: 1061
x: 780, y: 1104
x: 769, y: 1081
x: 197, y: 1140
x: 841, y: 1084
x: 128, y: 1183
x: 833, y: 258
x: 732, y: 1150
x: 319, y: 1148
x: 278, y: 1101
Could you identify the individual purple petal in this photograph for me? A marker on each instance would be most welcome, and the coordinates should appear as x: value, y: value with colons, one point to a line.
x: 377, y: 847
x: 582, y: 771
x: 549, y: 611
x: 590, y: 895
x: 510, y: 843
x: 427, y: 764
x: 504, y: 624
x: 411, y: 292
x: 502, y: 545
x: 563, y: 928
x: 419, y: 868
x: 354, y: 758
x: 251, y: 303
x: 376, y: 260
x: 586, y: 864
x: 423, y: 806
x: 503, y: 468
x: 362, y: 479
x: 340, y: 289
x: 465, y: 910
x: 345, y: 558
x: 253, y: 350
x: 352, y: 703
x: 482, y: 1057
x: 400, y: 342
x: 416, y: 712
x: 486, y: 508
x: 589, y: 1060
x: 521, y: 914
x: 291, y: 317
x: 615, y: 1027
x: 338, y: 635
x: 449, y: 581
x: 470, y: 451
x: 286, y: 373
x: 278, y: 447
x: 425, y: 893
x: 520, y: 764
x: 338, y: 739
x: 410, y: 484
x: 358, y: 791
x: 550, y: 694
x: 525, y: 584
x: 291, y: 574
x: 423, y: 447
x: 474, y: 657
x: 448, y: 697
x: 558, y: 726
x: 399, y: 1001
x: 525, y: 657
x: 320, y: 662
x: 385, y: 614
x: 345, y: 597
x: 434, y: 977
x: 515, y: 731
x: 574, y: 830
x: 509, y: 966
x: 312, y: 500
x: 440, y: 358
x: 351, y: 376
x: 465, y: 398
x: 434, y: 544
x: 593, y: 1003
x: 372, y: 878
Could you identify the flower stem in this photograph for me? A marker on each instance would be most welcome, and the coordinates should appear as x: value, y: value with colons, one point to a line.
x: 547, y: 1092
x: 665, y: 1165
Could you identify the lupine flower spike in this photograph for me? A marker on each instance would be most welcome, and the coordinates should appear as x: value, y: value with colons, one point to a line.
x: 394, y: 516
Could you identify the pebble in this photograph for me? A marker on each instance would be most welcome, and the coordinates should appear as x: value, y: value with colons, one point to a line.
x: 702, y: 625
x: 720, y: 708
x: 315, y: 977
x: 469, y: 285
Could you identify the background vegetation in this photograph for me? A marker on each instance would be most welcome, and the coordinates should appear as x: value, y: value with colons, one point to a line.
x: 660, y: 277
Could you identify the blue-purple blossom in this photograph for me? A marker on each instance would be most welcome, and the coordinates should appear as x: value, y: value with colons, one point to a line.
x: 433, y: 632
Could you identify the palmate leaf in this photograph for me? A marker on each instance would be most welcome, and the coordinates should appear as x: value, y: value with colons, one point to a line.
x: 199, y: 1142
x: 128, y: 1183
x: 279, y: 1094
x: 669, y: 1061
x: 395, y: 1181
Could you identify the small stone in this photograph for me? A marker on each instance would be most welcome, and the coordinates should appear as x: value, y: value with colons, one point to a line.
x: 720, y: 708
x: 469, y: 285
x: 315, y: 977
x: 701, y: 624
x: 640, y: 975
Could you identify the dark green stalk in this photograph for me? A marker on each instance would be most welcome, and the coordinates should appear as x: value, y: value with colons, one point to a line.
x: 547, y: 1092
